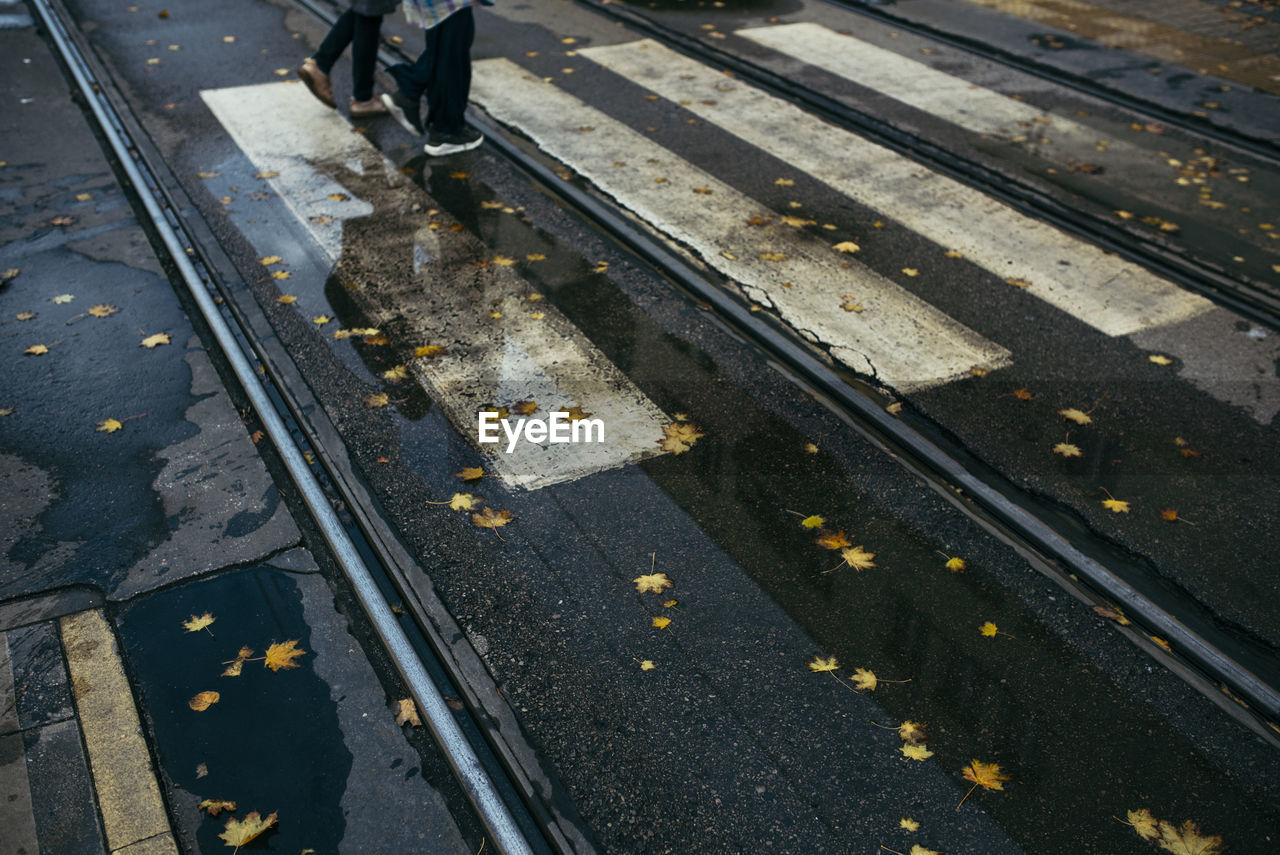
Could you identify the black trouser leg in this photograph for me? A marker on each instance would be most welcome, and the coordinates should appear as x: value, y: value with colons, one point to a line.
x: 336, y: 41
x: 364, y: 55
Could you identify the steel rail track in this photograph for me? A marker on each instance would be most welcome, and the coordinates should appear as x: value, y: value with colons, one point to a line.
x: 1262, y: 149
x: 1212, y: 654
x: 1204, y: 278
x: 236, y: 344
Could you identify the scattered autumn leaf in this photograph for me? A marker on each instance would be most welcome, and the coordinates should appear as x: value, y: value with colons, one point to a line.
x: 1018, y: 283
x: 846, y: 246
x: 679, y: 437
x: 525, y: 408
x: 1080, y: 417
x: 911, y: 271
x: 203, y: 701
x: 236, y: 666
x: 1116, y: 506
x: 62, y: 298
x: 773, y: 256
x: 427, y: 351
x: 819, y: 664
x: 36, y: 350
x: 268, y: 260
x: 470, y: 473
x: 489, y: 518
x: 1022, y: 394
x: 830, y: 540
x: 462, y: 502
x: 647, y: 665
x: 407, y: 713
x: 864, y: 680
x: 1185, y: 839
x: 1067, y: 449
x: 1112, y: 614
x: 985, y: 775
x: 654, y: 583
x: 26, y: 316
x: 661, y: 622
x: 377, y: 399
x: 911, y: 732
x: 151, y: 342
x: 989, y: 629
x: 213, y: 807
x: 1159, y: 359
x: 917, y: 849
x: 916, y: 752
x: 909, y: 824
x: 395, y: 375
x: 195, y: 624
x: 103, y: 310
x: 857, y: 558
x: 238, y: 832
x: 109, y: 426
x: 281, y: 655
x: 814, y: 521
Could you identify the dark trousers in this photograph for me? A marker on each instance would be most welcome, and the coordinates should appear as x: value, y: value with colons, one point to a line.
x: 361, y: 32
x: 442, y: 72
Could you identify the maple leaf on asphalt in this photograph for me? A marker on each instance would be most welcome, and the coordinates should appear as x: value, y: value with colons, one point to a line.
x: 989, y: 629
x: 1078, y: 416
x: 864, y: 680
x: 281, y: 655
x: 819, y: 664
x: 109, y: 426
x: 955, y: 565
x: 814, y: 521
x: 269, y: 260
x: 63, y: 298
x: 213, y: 807
x: 470, y: 473
x: 489, y: 518
x: 203, y: 701
x: 151, y: 342
x: 1067, y: 449
x: 1116, y: 506
x: 377, y: 399
x: 238, y: 832
x: 1160, y: 359
x: 916, y: 751
x: 407, y: 713
x: 679, y: 437
x: 661, y: 622
x: 36, y: 350
x: 828, y: 540
x: 395, y: 375
x: 1144, y: 823
x: 102, y: 310
x: 462, y: 502
x: 911, y: 732
x: 654, y: 583
x: 647, y: 665
x: 195, y: 624
x: 985, y: 775
x: 846, y: 246
x: 909, y: 824
x: 1185, y: 839
x: 917, y: 849
x: 428, y: 350
x: 524, y: 408
x: 857, y: 558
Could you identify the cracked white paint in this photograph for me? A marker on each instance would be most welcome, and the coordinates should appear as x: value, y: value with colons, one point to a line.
x: 1063, y: 270
x: 912, y: 344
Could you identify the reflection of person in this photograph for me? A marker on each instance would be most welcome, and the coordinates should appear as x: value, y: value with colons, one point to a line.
x: 359, y: 27
x: 442, y: 72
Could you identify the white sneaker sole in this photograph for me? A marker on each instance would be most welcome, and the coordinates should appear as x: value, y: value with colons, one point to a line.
x: 451, y: 148
x: 396, y: 113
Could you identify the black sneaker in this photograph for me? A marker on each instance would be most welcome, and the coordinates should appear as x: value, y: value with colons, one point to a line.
x: 403, y: 111
x: 439, y: 145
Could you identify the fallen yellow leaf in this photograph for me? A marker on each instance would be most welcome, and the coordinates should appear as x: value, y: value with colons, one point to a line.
x: 819, y: 664
x: 654, y: 583
x: 916, y: 752
x: 195, y: 624
x: 281, y: 655
x: 213, y: 807
x: 238, y: 832
x: 203, y: 701
x: 407, y: 713
x: 151, y: 342
x: 489, y: 518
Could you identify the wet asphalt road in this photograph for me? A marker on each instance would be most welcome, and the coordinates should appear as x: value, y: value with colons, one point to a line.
x: 730, y: 743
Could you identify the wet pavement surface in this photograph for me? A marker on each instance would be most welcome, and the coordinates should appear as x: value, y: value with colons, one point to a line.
x: 697, y: 717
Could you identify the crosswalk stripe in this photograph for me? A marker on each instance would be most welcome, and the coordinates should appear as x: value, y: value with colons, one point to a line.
x: 894, y: 336
x: 501, y: 347
x: 910, y: 81
x: 1114, y: 296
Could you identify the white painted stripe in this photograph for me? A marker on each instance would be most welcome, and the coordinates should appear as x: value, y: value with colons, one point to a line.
x: 429, y: 279
x: 907, y: 80
x: 898, y: 338
x: 1111, y: 295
